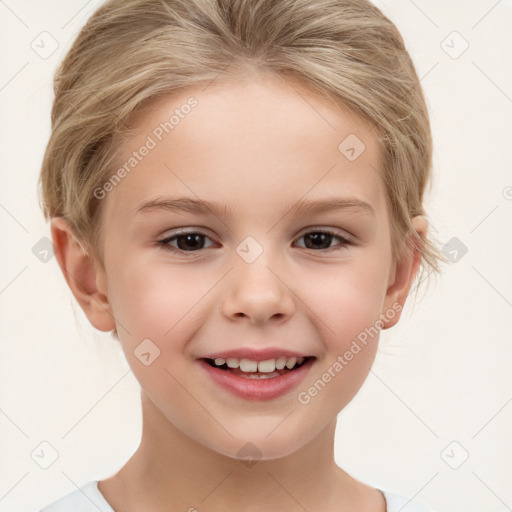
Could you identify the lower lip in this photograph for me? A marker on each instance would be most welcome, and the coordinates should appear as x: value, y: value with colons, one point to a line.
x: 258, y: 389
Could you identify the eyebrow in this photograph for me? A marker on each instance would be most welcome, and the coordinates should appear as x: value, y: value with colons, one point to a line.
x: 301, y: 207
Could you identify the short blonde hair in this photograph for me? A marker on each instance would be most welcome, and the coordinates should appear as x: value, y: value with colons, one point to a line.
x: 133, y: 51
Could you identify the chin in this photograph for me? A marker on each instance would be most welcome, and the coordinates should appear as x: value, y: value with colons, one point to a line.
x: 254, y: 446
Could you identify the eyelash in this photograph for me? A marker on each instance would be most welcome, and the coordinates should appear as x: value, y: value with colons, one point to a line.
x: 345, y: 241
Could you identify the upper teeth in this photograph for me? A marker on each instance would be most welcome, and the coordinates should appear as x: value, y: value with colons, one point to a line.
x: 268, y: 366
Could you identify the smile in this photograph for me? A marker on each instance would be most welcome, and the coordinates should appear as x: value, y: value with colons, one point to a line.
x: 257, y: 369
x: 257, y: 380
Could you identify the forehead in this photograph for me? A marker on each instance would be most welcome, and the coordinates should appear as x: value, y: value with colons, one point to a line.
x: 244, y: 139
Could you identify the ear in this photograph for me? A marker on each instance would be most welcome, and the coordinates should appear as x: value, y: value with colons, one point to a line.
x: 403, y: 274
x: 84, y: 276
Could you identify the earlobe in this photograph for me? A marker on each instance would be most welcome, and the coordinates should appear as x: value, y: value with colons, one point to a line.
x: 404, y: 274
x: 82, y: 275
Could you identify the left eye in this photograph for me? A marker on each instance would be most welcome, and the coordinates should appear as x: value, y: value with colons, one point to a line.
x: 324, y: 238
x: 194, y: 241
x: 185, y: 241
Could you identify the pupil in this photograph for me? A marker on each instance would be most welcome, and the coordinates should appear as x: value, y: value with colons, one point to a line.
x: 323, y: 238
x: 188, y: 238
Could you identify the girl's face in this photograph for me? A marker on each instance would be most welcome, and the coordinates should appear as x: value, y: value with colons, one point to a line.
x: 257, y: 273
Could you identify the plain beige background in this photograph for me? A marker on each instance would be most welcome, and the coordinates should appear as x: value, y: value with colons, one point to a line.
x: 441, y: 388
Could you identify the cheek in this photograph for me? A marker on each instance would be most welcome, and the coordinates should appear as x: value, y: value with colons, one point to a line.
x: 160, y: 302
x: 346, y: 300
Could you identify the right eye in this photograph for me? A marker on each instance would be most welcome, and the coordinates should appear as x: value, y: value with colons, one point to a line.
x: 185, y: 242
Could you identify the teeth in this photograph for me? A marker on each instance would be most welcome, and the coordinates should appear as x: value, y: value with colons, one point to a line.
x: 268, y: 366
x: 291, y: 363
x: 280, y: 363
x: 232, y: 362
x: 246, y: 365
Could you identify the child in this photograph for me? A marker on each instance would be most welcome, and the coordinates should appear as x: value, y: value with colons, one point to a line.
x: 260, y: 130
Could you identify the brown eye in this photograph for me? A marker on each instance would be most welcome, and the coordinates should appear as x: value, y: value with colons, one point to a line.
x: 322, y: 240
x: 185, y: 242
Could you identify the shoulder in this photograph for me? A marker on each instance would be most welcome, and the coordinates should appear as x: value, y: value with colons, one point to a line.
x: 85, y: 499
x: 397, y: 503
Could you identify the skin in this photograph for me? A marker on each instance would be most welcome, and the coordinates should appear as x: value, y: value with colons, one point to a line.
x: 257, y: 145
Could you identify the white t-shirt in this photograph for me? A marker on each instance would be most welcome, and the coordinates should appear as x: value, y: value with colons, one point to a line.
x: 89, y: 499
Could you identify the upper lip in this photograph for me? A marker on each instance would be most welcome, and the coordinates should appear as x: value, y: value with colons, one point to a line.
x: 255, y: 354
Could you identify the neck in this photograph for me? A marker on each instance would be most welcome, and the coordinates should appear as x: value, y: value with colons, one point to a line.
x: 171, y: 471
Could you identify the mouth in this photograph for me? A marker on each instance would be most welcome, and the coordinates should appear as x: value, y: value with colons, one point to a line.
x: 256, y: 380
x: 250, y: 369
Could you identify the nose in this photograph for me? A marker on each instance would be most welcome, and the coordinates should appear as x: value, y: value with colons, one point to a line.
x: 257, y: 291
